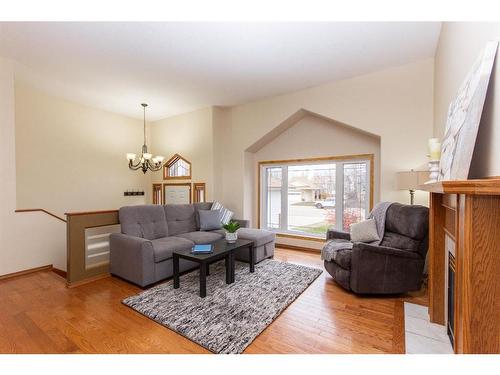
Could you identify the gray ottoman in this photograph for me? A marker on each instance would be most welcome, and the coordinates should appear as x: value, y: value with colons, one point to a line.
x: 263, y: 242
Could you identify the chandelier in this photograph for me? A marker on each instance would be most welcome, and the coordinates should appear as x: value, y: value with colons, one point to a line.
x: 146, y: 161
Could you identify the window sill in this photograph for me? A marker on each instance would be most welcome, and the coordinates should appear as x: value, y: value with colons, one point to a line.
x: 300, y: 237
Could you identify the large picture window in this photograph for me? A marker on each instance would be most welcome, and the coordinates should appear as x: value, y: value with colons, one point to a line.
x: 306, y: 197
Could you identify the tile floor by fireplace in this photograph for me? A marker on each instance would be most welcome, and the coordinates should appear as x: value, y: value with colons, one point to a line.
x: 422, y: 336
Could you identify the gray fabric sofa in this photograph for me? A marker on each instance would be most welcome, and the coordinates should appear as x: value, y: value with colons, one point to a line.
x: 142, y: 252
x: 396, y: 265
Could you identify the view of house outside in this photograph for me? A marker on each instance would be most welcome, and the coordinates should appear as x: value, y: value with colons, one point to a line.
x: 311, y: 196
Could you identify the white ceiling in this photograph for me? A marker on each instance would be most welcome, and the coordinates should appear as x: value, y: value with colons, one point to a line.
x: 178, y: 67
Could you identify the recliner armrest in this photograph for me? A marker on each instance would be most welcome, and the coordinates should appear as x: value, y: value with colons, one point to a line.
x: 333, y: 234
x: 384, y: 250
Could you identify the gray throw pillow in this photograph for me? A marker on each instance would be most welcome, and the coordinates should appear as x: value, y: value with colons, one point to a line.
x: 209, y: 219
x: 366, y: 231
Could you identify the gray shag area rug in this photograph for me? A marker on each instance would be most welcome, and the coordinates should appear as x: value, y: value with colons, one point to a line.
x: 231, y: 316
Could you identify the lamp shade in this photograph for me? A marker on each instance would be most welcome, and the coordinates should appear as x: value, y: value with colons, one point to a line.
x: 411, y: 180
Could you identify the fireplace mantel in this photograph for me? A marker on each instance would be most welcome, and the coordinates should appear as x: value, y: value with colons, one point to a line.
x: 467, y: 211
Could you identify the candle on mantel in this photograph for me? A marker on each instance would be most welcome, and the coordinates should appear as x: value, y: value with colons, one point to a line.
x: 434, y: 149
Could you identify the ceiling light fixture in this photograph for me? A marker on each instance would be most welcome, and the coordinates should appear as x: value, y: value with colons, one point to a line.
x: 146, y: 161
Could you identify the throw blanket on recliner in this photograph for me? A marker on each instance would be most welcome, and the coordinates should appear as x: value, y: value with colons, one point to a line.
x: 333, y: 247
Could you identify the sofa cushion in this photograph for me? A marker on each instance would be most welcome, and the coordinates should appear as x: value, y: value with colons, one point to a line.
x: 201, y: 237
x: 222, y: 232
x: 145, y: 221
x: 200, y: 206
x: 258, y: 236
x: 400, y: 242
x: 164, y: 247
x: 180, y: 218
x: 209, y: 220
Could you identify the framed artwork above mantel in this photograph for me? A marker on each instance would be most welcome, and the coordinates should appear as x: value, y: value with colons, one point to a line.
x: 464, y: 115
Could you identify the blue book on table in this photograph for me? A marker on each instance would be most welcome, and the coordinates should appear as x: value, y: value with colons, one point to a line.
x: 202, y: 249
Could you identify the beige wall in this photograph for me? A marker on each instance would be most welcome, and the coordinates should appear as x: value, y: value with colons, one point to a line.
x: 222, y: 134
x: 327, y: 138
x: 70, y: 157
x: 460, y: 44
x: 191, y: 136
x: 395, y: 104
x: 7, y: 145
x: 27, y: 240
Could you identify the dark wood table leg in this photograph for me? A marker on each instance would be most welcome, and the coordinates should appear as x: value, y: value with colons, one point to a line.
x: 251, y: 255
x: 203, y: 280
x: 208, y: 269
x: 232, y: 265
x: 227, y: 261
x: 176, y: 271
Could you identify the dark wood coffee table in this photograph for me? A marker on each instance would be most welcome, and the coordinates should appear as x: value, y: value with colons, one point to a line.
x: 222, y: 250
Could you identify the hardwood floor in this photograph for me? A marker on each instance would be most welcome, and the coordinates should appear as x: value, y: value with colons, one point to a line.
x: 38, y: 314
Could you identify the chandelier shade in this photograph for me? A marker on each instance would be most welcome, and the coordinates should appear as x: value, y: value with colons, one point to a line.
x: 146, y: 160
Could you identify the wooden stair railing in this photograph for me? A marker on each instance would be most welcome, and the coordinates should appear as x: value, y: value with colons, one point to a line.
x: 41, y: 210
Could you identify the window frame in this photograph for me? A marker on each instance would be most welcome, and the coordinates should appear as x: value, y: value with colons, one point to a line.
x: 339, y: 160
x: 187, y: 184
x: 197, y: 188
x: 156, y: 188
x: 170, y: 162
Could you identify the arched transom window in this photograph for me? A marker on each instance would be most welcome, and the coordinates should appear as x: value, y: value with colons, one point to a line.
x: 177, y: 168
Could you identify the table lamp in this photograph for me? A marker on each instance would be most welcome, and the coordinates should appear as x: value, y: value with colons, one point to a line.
x: 411, y: 180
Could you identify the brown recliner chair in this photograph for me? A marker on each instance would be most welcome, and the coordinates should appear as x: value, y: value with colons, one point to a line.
x: 396, y: 265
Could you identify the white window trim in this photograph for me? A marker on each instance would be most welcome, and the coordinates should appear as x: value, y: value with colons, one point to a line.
x: 339, y: 187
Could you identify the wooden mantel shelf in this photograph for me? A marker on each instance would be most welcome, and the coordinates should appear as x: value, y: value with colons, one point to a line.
x: 489, y: 186
x: 470, y: 211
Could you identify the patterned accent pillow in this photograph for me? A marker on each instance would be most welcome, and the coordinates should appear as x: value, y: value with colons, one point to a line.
x: 225, y: 214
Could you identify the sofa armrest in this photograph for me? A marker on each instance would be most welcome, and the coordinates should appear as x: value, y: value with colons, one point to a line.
x: 381, y: 269
x: 333, y: 234
x: 243, y: 223
x: 131, y: 258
